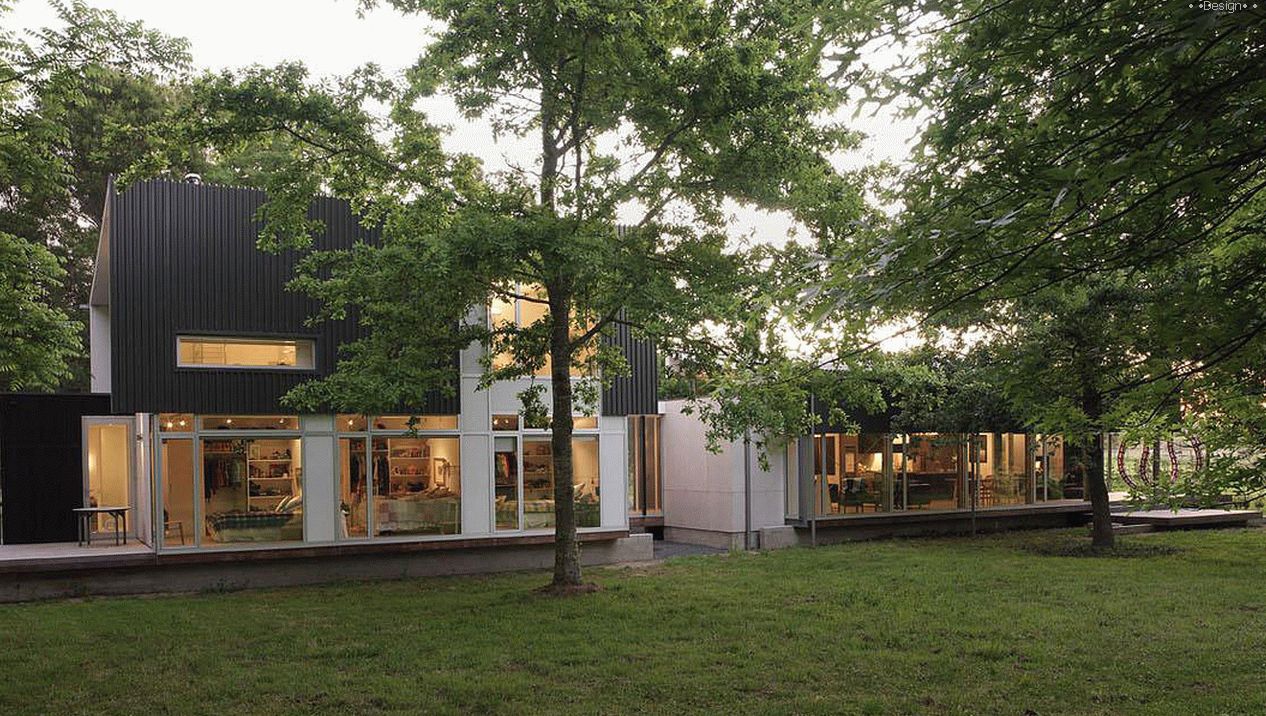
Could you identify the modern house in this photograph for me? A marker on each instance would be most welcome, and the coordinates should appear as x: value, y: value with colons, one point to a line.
x: 835, y: 484
x: 195, y: 340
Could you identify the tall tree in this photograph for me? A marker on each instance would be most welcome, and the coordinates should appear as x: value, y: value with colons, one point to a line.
x: 651, y: 114
x: 78, y: 102
x: 1077, y: 160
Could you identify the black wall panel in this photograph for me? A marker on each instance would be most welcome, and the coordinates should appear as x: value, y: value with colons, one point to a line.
x: 184, y: 262
x: 41, y: 463
x: 638, y: 392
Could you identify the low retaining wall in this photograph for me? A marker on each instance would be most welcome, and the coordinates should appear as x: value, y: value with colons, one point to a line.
x: 160, y: 574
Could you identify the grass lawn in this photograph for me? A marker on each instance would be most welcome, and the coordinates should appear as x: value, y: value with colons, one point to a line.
x: 1003, y: 624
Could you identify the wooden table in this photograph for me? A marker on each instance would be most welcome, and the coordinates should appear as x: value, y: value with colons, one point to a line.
x: 85, y: 515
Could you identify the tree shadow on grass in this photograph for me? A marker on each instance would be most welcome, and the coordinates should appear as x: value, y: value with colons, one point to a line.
x: 1076, y: 545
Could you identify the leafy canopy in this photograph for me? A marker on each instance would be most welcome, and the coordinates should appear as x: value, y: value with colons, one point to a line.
x: 76, y: 103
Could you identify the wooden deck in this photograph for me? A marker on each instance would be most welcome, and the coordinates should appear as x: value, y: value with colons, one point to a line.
x: 915, y: 523
x: 61, y: 570
x: 1188, y: 518
x: 68, y: 555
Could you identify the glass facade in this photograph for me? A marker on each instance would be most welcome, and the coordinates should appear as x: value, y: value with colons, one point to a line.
x: 247, y: 480
x: 930, y: 467
x: 1000, y: 466
x: 417, y: 485
x: 1050, y: 475
x: 852, y: 474
x: 252, y: 490
x: 646, y: 488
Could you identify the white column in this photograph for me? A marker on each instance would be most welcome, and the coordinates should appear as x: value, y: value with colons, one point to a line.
x: 613, y: 470
x: 320, y: 478
x: 477, y: 494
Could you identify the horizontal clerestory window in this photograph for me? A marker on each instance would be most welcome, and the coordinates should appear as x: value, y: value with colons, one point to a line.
x: 221, y: 352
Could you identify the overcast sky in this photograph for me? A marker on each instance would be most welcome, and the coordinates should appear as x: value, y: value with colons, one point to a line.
x: 330, y: 39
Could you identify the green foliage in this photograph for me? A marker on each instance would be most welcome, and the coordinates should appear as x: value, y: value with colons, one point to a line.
x: 36, y: 339
x: 1085, y: 200
x: 78, y: 102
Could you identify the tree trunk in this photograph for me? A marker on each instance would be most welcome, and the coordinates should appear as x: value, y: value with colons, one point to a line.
x: 1096, y: 480
x: 566, y: 549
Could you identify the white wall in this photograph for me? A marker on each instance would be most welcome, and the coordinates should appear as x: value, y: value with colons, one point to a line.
x: 320, y: 479
x: 99, y: 348
x: 705, y: 490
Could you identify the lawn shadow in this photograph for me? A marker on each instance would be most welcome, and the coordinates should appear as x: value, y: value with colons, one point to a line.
x: 1065, y: 544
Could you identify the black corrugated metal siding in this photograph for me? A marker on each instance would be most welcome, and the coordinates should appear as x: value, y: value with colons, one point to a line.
x: 638, y: 392
x: 41, y: 463
x: 184, y: 262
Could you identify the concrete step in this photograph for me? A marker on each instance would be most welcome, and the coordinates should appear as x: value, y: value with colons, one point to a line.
x: 1120, y: 529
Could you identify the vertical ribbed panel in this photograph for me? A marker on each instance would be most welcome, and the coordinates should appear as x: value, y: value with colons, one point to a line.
x: 184, y: 261
x: 638, y: 392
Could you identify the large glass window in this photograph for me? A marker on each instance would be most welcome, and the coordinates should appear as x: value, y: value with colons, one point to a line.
x: 354, y: 492
x: 999, y: 464
x: 849, y: 473
x: 216, y: 352
x: 176, y: 458
x: 538, y: 482
x: 417, y: 485
x: 929, y: 472
x: 250, y: 422
x: 252, y: 490
x: 1049, y: 469
x: 523, y: 312
x: 645, y: 485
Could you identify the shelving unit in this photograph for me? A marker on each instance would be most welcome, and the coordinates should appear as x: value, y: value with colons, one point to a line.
x: 537, y: 461
x: 271, y: 479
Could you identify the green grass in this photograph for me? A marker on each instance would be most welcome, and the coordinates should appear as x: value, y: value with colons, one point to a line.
x: 1006, y: 624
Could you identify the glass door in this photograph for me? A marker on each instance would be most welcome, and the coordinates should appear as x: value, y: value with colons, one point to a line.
x: 108, y: 470
x: 507, y: 486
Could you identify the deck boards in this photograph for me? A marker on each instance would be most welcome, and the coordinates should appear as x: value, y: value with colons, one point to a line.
x: 1187, y: 517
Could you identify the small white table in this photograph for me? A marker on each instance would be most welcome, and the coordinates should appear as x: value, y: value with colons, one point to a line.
x: 86, y: 514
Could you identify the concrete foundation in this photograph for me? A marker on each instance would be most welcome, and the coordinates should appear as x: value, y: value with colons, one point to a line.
x: 778, y: 537
x: 707, y: 538
x: 235, y: 574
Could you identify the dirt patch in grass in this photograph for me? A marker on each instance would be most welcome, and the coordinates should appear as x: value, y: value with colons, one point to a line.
x: 568, y: 590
